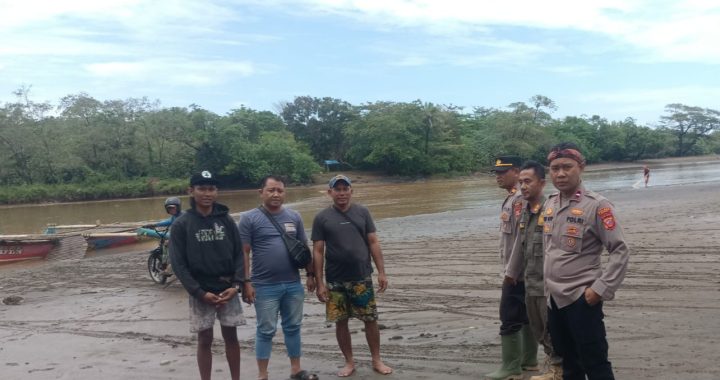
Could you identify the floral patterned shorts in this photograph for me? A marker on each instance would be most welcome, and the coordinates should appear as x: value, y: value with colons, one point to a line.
x: 351, y: 299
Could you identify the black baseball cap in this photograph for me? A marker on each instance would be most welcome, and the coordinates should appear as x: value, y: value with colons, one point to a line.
x: 203, y: 178
x: 503, y: 163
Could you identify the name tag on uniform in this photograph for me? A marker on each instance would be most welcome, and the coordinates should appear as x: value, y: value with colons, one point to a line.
x: 290, y: 227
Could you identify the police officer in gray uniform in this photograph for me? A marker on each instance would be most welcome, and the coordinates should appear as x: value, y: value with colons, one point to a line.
x: 579, y: 225
x: 514, y: 329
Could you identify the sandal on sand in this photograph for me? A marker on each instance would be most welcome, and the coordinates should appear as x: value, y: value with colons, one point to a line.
x: 304, y: 375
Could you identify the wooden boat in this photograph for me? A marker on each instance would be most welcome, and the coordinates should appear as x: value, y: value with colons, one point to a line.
x: 100, y: 236
x: 90, y: 228
x: 105, y: 240
x: 25, y: 247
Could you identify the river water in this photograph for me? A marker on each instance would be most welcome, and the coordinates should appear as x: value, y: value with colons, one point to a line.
x: 385, y: 200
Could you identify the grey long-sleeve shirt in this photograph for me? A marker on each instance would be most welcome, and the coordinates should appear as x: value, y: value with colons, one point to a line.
x: 575, y: 233
x: 509, y: 216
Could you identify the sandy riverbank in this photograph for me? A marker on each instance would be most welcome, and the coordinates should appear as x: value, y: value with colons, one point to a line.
x: 102, y: 317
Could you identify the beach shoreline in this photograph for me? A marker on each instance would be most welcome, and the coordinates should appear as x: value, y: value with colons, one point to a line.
x: 102, y: 316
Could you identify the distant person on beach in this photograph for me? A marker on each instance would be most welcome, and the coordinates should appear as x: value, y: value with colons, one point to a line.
x: 275, y: 288
x: 519, y: 348
x: 207, y: 257
x: 578, y: 225
x: 344, y: 243
x: 528, y: 257
x: 646, y: 174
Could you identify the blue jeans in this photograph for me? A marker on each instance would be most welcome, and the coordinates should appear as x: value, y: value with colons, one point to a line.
x: 286, y: 299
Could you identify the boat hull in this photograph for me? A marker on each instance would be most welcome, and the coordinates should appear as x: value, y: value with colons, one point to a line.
x: 17, y: 250
x: 97, y: 241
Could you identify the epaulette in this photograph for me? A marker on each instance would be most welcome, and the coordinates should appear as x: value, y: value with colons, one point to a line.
x: 594, y: 195
x: 553, y: 195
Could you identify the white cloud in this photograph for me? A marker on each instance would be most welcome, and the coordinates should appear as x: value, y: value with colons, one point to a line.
x: 116, y: 27
x: 173, y: 72
x: 572, y: 71
x: 149, y: 41
x: 669, y: 30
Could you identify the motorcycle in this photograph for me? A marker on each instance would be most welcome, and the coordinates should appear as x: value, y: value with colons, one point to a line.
x: 159, y: 260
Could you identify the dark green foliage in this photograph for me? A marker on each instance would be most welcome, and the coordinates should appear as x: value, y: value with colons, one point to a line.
x: 691, y: 126
x: 139, y: 187
x: 92, y: 149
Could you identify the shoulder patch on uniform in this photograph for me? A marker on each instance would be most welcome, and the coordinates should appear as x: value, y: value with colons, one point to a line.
x: 608, y: 219
x: 517, y: 208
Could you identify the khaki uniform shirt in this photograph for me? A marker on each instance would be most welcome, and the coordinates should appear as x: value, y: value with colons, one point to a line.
x: 511, y: 209
x: 528, y: 253
x: 575, y: 232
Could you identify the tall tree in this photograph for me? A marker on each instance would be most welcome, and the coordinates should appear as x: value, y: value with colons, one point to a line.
x: 320, y: 123
x: 689, y: 124
x: 541, y: 101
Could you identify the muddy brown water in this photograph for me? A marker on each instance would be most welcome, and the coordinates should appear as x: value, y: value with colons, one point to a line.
x: 385, y: 200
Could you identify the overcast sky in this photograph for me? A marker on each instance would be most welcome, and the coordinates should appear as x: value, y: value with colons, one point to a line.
x: 613, y: 58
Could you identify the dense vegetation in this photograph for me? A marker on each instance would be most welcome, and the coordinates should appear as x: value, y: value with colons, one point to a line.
x: 84, y: 148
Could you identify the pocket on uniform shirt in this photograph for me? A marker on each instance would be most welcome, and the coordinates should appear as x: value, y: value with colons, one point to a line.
x: 538, y: 243
x: 538, y: 249
x: 505, y: 227
x: 570, y: 243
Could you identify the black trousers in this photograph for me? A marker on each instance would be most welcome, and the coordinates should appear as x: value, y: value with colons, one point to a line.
x: 578, y: 335
x: 513, y: 314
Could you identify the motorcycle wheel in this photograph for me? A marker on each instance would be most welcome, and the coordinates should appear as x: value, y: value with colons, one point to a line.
x: 155, y: 268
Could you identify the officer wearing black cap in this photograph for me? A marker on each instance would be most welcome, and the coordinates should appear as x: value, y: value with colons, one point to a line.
x: 514, y: 329
x: 504, y: 163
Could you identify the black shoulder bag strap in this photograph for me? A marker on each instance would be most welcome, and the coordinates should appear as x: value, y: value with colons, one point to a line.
x: 272, y: 220
x: 359, y: 229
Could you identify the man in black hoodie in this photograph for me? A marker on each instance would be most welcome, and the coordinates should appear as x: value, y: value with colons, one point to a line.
x: 206, y: 254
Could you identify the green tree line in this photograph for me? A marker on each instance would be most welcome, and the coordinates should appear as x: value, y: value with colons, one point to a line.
x: 85, y: 148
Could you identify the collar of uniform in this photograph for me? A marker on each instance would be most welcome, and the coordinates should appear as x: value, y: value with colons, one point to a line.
x: 539, y: 207
x: 562, y: 202
x: 578, y: 193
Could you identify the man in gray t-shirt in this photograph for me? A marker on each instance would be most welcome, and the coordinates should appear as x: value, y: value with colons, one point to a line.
x: 346, y: 257
x: 344, y: 241
x: 275, y: 285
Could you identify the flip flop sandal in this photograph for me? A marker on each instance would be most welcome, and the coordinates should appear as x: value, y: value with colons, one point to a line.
x: 304, y: 375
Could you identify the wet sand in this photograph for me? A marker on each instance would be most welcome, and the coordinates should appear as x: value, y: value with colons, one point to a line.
x: 102, y: 317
